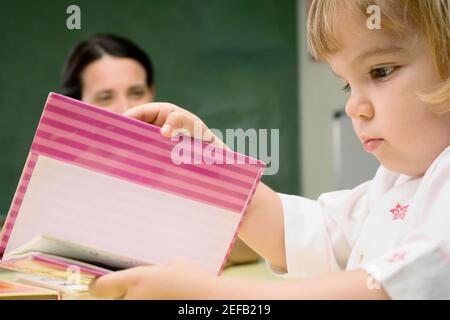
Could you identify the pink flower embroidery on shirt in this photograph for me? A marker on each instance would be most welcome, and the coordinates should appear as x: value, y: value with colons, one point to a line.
x: 397, y: 257
x: 399, y: 211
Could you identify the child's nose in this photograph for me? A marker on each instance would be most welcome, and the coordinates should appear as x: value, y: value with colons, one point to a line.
x: 359, y: 108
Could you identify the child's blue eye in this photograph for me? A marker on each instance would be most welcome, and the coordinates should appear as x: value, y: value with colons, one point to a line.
x: 381, y: 72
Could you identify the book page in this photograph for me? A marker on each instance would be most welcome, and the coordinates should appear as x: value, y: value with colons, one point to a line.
x: 97, y: 210
x: 61, y: 250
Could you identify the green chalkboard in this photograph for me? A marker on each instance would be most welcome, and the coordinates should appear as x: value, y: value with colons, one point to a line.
x: 232, y: 62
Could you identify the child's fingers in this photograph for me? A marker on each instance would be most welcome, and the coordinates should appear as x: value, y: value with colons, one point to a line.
x: 112, y: 286
x: 155, y: 113
x: 173, y: 120
x: 181, y: 122
x: 145, y: 112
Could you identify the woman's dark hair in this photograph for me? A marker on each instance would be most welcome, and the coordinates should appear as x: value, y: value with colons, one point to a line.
x: 93, y: 49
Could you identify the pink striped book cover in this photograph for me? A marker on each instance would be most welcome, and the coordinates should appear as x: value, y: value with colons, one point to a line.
x: 107, y: 181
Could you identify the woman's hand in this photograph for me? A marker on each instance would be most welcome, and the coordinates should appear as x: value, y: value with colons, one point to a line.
x: 175, y: 280
x: 174, y: 120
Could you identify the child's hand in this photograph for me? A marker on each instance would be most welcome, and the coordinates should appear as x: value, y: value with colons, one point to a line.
x: 174, y: 280
x: 173, y: 120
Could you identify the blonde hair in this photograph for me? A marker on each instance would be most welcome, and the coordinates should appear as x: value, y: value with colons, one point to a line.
x: 430, y: 17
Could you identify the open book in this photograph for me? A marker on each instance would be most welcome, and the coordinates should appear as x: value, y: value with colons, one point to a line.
x: 13, y: 291
x: 97, y: 179
x: 62, y: 265
x: 74, y: 253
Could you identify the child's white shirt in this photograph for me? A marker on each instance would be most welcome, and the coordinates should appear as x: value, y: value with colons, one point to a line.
x: 395, y: 227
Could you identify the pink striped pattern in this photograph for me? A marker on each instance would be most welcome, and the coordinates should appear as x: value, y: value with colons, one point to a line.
x: 109, y: 143
x: 18, y: 197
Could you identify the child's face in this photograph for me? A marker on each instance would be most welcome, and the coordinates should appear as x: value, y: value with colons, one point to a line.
x: 386, y: 73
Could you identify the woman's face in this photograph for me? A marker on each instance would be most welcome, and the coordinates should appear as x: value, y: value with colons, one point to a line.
x: 115, y: 83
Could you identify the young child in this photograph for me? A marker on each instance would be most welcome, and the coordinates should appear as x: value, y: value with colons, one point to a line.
x: 386, y: 238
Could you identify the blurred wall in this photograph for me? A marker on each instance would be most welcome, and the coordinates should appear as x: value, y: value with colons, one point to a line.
x: 320, y: 95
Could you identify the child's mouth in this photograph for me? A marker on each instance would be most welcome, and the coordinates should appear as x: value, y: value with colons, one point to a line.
x: 372, y: 144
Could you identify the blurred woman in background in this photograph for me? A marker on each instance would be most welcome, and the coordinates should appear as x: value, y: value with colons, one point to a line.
x: 110, y: 72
